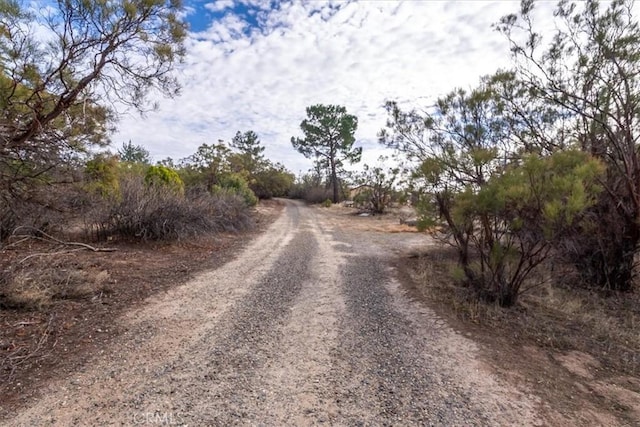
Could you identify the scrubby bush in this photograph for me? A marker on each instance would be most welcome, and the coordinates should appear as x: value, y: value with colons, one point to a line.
x: 8, y: 221
x: 159, y: 213
x: 52, y: 209
x: 272, y: 182
x: 502, y: 210
x: 316, y: 195
x: 314, y: 187
x: 378, y: 185
x: 235, y: 184
x: 510, y: 225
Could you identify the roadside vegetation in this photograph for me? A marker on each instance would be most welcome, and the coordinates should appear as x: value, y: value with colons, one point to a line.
x: 530, y: 184
x: 540, y: 161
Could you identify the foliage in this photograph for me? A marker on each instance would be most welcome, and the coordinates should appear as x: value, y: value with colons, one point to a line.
x: 249, y: 155
x: 501, y: 209
x: 158, y: 213
x: 235, y: 184
x: 130, y: 153
x: 518, y: 216
x: 329, y: 137
x: 379, y: 185
x: 206, y: 165
x: 312, y: 188
x: 50, y: 110
x: 327, y: 203
x: 588, y: 77
x: 265, y: 179
x: 242, y: 169
x: 272, y: 181
x: 103, y: 176
x: 162, y: 176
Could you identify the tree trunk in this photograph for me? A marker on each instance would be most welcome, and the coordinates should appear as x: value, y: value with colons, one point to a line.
x: 334, y: 182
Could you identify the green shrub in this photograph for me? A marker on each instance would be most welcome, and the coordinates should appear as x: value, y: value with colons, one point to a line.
x: 103, y: 176
x: 272, y: 182
x: 162, y: 176
x: 327, y: 203
x: 235, y: 184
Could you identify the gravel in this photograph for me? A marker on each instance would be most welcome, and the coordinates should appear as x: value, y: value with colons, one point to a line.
x: 308, y: 326
x: 384, y: 358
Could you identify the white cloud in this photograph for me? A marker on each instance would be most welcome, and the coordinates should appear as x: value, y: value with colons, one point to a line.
x: 219, y: 5
x: 356, y: 54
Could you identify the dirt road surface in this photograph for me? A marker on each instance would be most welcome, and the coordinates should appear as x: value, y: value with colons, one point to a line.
x: 307, y: 326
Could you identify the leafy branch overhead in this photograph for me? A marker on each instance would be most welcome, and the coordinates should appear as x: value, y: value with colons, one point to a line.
x: 56, y: 93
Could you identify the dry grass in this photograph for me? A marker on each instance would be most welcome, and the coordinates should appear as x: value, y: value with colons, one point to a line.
x: 58, y: 305
x: 553, y: 314
x: 579, y: 348
x: 35, y: 285
x: 392, y: 221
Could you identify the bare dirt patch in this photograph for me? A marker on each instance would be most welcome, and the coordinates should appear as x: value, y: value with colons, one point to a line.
x: 576, y: 349
x: 58, y: 309
x: 356, y: 219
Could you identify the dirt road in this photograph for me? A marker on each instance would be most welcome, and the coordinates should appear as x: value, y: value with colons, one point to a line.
x: 306, y: 326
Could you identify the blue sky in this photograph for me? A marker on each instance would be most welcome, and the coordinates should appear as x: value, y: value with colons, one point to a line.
x: 205, y: 11
x: 256, y: 65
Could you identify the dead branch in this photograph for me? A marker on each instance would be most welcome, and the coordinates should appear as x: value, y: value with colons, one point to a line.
x: 50, y: 239
x: 50, y: 253
x: 15, y: 243
x: 15, y: 358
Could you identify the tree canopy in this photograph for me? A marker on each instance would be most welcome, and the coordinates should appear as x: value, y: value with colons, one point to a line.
x: 329, y: 136
x: 134, y: 153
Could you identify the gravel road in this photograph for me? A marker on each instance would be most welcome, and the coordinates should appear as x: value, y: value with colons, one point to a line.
x: 307, y: 326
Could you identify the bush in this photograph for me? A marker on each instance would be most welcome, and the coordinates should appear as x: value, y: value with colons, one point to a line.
x: 164, y: 177
x: 378, y: 186
x: 272, y: 182
x: 8, y: 221
x: 51, y: 209
x: 316, y: 194
x: 327, y: 203
x: 235, y: 184
x: 158, y: 213
x: 507, y: 228
x: 103, y: 175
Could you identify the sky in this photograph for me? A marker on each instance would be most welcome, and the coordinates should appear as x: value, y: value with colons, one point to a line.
x: 256, y: 65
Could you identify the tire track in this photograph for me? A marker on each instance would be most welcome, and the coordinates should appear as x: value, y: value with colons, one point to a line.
x: 159, y: 345
x: 298, y: 378
x: 233, y: 356
x: 380, y: 376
